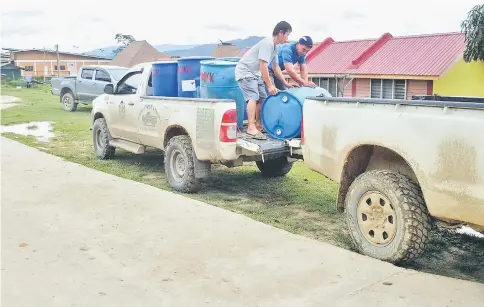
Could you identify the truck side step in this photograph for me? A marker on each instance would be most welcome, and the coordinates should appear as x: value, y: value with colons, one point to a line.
x: 128, y: 146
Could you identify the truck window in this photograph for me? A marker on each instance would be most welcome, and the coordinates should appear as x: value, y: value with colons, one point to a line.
x: 118, y: 73
x: 102, y: 75
x: 87, y: 73
x: 130, y: 84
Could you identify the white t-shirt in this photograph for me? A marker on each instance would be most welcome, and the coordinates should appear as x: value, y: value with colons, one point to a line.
x: 249, y: 64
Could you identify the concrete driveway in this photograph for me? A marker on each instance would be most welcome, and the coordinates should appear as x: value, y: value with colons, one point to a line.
x: 73, y: 236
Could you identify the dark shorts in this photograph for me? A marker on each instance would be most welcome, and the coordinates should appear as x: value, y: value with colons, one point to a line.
x: 277, y: 83
x: 252, y: 89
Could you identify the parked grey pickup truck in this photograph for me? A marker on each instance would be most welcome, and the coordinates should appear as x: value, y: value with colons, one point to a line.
x: 87, y: 85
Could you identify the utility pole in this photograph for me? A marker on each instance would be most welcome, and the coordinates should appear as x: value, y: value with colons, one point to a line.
x: 44, y: 65
x: 58, y: 67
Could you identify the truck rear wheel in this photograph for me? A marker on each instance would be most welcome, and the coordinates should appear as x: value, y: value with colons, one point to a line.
x: 100, y: 138
x: 275, y: 168
x: 180, y: 165
x: 68, y: 102
x: 387, y: 217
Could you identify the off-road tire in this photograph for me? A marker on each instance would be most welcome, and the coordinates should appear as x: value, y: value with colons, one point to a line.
x: 274, y: 168
x: 413, y: 220
x: 188, y: 183
x: 72, y: 105
x: 100, y: 139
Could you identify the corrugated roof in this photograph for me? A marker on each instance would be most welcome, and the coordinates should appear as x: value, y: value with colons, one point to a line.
x: 419, y: 55
x: 136, y: 53
x: 423, y: 55
x: 14, y: 50
x: 336, y: 57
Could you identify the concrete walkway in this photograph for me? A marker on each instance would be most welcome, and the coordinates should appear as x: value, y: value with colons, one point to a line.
x: 73, y: 236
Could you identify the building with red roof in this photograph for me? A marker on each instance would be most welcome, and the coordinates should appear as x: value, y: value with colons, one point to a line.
x: 396, y: 67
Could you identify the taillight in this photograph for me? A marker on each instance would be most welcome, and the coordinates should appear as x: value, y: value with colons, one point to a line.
x: 302, y: 131
x: 228, y: 127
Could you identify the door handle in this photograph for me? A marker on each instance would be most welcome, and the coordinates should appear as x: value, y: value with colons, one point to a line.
x: 131, y: 103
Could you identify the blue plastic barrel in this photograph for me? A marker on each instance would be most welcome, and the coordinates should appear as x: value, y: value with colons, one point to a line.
x: 164, y: 79
x: 217, y: 80
x: 189, y: 75
x: 230, y: 59
x: 281, y: 114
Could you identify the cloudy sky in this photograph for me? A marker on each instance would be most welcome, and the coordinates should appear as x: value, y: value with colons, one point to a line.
x: 84, y: 25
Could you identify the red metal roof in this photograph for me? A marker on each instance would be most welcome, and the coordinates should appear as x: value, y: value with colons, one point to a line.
x: 421, y: 55
x: 336, y: 57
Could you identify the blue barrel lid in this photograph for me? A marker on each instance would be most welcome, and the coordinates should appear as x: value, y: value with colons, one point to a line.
x: 218, y: 63
x: 281, y: 114
x: 195, y: 58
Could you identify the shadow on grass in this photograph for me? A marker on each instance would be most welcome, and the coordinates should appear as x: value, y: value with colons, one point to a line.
x: 452, y: 254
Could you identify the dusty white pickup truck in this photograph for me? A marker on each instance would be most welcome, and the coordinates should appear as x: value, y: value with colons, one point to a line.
x: 193, y: 133
x: 401, y: 165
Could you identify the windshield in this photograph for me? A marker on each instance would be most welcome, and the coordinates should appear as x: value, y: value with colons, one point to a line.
x: 118, y: 73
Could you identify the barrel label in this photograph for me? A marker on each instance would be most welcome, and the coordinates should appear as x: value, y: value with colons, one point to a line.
x: 206, y: 77
x: 188, y: 86
x: 184, y: 69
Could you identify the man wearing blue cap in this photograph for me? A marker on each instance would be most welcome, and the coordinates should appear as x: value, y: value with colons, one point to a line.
x: 288, y: 55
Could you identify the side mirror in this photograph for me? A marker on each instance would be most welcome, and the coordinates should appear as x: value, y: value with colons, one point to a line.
x: 109, y: 89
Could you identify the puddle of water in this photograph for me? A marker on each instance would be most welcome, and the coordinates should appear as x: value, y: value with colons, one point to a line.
x: 41, y: 130
x: 9, y: 99
x: 469, y: 231
x: 8, y: 102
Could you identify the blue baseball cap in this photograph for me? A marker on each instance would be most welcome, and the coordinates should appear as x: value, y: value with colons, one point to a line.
x: 306, y: 41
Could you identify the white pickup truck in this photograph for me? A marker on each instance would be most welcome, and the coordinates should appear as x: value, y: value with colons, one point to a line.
x: 192, y: 132
x: 401, y: 165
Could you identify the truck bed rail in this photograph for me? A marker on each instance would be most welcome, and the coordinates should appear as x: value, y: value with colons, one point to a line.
x: 424, y: 103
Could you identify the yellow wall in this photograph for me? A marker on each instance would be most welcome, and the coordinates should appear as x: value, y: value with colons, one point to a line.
x: 463, y: 79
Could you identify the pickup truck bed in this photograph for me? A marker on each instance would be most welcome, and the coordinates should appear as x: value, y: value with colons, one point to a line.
x: 193, y: 132
x: 401, y: 164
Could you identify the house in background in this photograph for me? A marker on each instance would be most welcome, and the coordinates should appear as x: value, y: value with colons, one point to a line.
x: 138, y: 52
x: 396, y: 67
x: 40, y: 62
x: 226, y: 50
x: 10, y: 71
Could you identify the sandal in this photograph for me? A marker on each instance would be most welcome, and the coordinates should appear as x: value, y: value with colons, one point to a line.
x: 258, y: 136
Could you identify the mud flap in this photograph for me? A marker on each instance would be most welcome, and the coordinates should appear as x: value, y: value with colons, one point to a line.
x: 202, y: 168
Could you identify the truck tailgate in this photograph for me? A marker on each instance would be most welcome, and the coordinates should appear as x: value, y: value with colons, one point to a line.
x: 267, y: 147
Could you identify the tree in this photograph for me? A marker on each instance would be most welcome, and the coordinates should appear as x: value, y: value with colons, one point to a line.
x: 343, y: 82
x: 124, y: 40
x: 473, y: 27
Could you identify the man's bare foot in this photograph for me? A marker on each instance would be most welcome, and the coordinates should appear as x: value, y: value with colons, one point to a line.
x: 259, y: 126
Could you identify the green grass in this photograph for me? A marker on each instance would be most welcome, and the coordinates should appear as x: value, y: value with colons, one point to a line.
x: 303, y: 202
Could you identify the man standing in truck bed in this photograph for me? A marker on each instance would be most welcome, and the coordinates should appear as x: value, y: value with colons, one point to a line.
x: 288, y: 55
x: 252, y: 72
